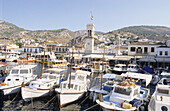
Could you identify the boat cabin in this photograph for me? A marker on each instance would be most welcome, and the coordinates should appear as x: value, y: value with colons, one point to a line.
x: 123, y: 92
x: 23, y: 70
x: 78, y: 81
x: 55, y: 71
x: 59, y: 63
x: 132, y: 67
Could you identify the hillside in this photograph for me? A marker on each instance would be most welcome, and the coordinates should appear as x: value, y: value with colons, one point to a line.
x: 8, y: 30
x: 150, y: 32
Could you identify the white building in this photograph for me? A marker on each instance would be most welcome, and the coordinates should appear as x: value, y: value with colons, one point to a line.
x: 163, y: 51
x: 32, y: 49
x: 142, y: 48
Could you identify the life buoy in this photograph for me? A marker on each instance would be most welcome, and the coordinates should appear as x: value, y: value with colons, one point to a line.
x: 3, y: 84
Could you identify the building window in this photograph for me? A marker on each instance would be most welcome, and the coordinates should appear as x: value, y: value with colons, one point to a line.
x: 59, y: 49
x: 160, y: 53
x: 56, y: 49
x: 166, y: 53
x: 90, y: 33
x: 132, y: 49
x: 30, y: 50
x: 152, y: 49
x: 35, y: 50
x: 145, y: 50
x: 24, y: 50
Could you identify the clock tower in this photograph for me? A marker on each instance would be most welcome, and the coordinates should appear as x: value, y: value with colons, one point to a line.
x: 90, y: 39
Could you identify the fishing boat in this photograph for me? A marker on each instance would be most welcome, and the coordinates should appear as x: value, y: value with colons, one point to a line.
x: 69, y: 92
x: 43, y: 86
x: 76, y: 67
x: 17, y: 75
x: 132, y: 68
x: 108, y: 83
x: 160, y: 100
x: 56, y: 63
x: 26, y: 60
x: 12, y: 57
x: 119, y: 69
x: 126, y: 96
x: 3, y: 69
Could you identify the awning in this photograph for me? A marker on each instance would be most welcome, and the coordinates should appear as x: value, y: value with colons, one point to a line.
x: 110, y: 76
x: 83, y: 72
x: 154, y: 59
x: 145, y: 77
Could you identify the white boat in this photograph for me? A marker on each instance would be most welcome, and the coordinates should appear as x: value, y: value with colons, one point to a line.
x: 42, y: 87
x: 132, y: 67
x: 119, y: 69
x: 98, y: 66
x: 12, y: 57
x: 70, y: 92
x: 160, y: 100
x: 17, y: 75
x: 3, y: 69
x: 126, y: 96
x: 56, y: 63
x: 108, y: 83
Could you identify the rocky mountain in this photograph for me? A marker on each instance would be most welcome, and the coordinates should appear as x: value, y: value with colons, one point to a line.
x: 8, y: 30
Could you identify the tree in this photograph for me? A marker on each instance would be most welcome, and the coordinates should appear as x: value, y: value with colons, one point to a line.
x: 19, y: 44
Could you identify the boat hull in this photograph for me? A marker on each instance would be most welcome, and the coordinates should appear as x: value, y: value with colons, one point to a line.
x: 66, y: 98
x: 106, y: 106
x: 25, y: 61
x: 11, y: 90
x: 28, y: 93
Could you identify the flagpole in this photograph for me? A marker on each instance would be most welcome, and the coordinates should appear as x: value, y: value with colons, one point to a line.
x: 91, y: 17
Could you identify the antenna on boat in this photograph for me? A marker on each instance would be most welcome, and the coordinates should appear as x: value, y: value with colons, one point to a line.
x: 102, y: 68
x: 71, y: 67
x: 43, y: 59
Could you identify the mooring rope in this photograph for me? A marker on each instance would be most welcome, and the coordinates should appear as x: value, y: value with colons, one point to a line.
x: 84, y: 100
x: 90, y: 107
x: 12, y: 99
x: 50, y: 100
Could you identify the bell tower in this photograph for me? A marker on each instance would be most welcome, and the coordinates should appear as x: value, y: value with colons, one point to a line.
x: 90, y: 39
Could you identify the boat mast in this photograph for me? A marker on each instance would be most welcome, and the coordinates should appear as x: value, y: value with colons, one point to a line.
x: 43, y: 59
x: 102, y: 69
x: 71, y: 67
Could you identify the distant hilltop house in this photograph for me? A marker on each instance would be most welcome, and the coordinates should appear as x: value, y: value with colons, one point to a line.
x: 26, y: 41
x: 3, y: 46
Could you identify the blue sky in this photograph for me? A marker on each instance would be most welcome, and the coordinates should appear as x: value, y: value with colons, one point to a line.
x: 108, y: 15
